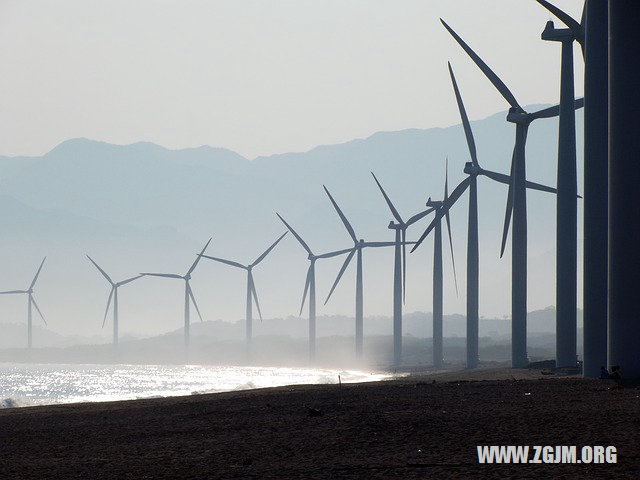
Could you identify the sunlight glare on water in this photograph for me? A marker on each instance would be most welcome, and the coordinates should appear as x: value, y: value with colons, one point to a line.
x: 22, y: 384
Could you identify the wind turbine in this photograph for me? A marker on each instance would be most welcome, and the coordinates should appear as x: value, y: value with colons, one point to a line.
x: 473, y: 171
x: 188, y: 293
x: 358, y: 246
x: 310, y: 285
x: 31, y: 301
x: 399, y: 269
x: 516, y: 204
x: 252, y: 295
x: 113, y: 294
x: 566, y: 206
x: 438, y: 350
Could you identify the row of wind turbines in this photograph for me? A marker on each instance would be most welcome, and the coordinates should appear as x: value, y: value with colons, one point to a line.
x: 515, y: 214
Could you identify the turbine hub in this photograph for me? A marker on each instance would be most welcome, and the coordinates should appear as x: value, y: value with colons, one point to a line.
x: 517, y: 115
x: 471, y: 169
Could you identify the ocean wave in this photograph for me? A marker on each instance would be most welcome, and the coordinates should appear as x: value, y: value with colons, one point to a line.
x: 15, y: 402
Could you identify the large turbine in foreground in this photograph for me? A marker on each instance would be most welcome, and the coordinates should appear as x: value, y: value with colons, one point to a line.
x: 567, y: 204
x: 516, y: 205
x: 473, y: 171
x: 30, y: 302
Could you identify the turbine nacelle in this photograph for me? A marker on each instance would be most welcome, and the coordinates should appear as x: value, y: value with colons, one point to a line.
x: 517, y: 115
x: 471, y: 169
x: 553, y: 34
x: 433, y: 203
x: 394, y: 226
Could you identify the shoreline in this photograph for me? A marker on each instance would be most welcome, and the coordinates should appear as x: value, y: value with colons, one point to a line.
x: 410, y: 427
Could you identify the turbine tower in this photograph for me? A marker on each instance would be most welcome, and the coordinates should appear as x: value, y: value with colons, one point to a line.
x: 516, y: 204
x: 399, y: 269
x: 113, y: 294
x: 437, y: 337
x: 310, y: 285
x: 596, y: 186
x: 358, y: 246
x: 473, y: 171
x: 252, y: 295
x: 188, y: 293
x: 566, y: 206
x: 31, y: 301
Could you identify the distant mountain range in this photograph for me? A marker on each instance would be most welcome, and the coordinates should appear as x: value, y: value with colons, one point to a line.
x: 284, y: 341
x: 142, y: 207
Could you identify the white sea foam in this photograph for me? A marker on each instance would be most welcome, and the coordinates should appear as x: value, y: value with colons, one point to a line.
x: 13, y: 402
x: 23, y: 384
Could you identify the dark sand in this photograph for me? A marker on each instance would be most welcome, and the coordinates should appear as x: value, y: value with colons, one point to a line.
x: 407, y: 428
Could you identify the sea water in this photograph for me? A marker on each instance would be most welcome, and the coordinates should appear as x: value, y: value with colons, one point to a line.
x: 45, y: 384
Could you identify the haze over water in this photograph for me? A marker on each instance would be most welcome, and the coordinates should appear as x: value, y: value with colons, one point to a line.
x: 25, y: 385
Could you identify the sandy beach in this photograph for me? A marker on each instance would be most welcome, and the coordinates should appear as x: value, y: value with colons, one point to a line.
x: 420, y: 426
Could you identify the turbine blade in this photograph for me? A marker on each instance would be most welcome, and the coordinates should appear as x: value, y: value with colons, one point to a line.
x: 502, y: 178
x: 101, y: 270
x: 129, y: 280
x: 507, y: 219
x: 255, y: 297
x: 493, y: 78
x: 345, y: 222
x: 554, y: 111
x: 106, y: 311
x: 335, y: 254
x: 468, y: 133
x: 268, y: 250
x: 226, y: 262
x: 33, y: 300
x: 388, y: 200
x: 195, y: 263
x: 340, y: 273
x: 165, y: 275
x: 446, y: 178
x: 298, y: 237
x: 498, y: 177
x: 380, y: 244
x: 13, y: 291
x: 306, y: 288
x: 576, y: 28
x: 541, y: 188
x: 419, y: 216
x: 193, y: 299
x: 446, y: 205
x: 453, y: 260
x: 37, y: 273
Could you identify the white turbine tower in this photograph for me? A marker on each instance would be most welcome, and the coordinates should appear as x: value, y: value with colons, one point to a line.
x: 113, y: 294
x: 188, y: 293
x: 31, y: 302
x: 252, y: 295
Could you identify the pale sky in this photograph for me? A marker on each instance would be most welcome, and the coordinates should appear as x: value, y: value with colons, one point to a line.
x: 259, y: 76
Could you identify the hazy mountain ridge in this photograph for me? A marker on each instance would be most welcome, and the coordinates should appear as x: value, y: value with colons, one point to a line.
x: 142, y: 207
